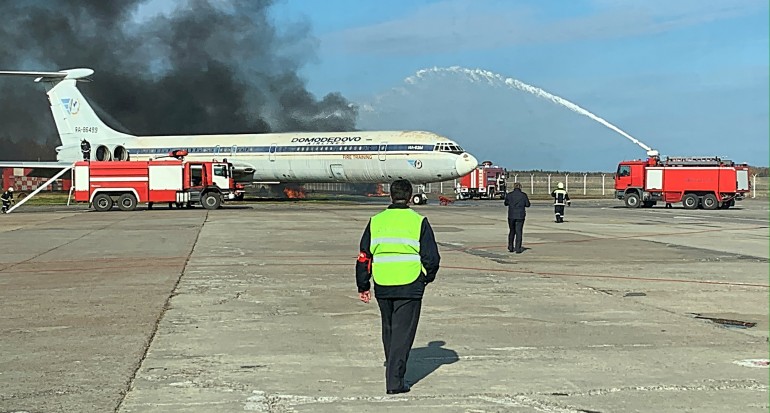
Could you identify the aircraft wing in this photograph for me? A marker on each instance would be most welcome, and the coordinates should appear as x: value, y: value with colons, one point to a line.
x: 31, y: 164
x: 39, y: 169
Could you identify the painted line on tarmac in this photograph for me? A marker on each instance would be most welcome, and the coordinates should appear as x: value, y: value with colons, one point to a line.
x: 614, y: 277
x: 756, y: 363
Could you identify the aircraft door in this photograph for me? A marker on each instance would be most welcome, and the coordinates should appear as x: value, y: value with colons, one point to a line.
x: 271, y: 154
x: 382, y: 152
x: 338, y: 172
x: 233, y: 150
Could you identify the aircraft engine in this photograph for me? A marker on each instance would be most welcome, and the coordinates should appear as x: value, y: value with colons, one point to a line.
x: 120, y: 153
x: 103, y: 153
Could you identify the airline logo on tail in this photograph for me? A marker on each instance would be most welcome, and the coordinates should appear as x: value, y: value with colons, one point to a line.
x: 72, y: 105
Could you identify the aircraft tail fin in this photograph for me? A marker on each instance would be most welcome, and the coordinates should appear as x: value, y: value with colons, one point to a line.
x: 75, y: 118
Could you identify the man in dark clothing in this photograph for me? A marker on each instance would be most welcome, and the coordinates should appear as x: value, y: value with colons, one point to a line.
x: 516, y: 201
x: 85, y: 147
x: 560, y: 199
x: 398, y: 250
x: 7, y: 198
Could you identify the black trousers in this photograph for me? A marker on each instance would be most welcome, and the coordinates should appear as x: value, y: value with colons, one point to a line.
x: 515, y: 232
x: 399, y: 326
x: 558, y: 210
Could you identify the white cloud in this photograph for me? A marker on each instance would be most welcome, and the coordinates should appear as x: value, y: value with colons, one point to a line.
x: 457, y: 25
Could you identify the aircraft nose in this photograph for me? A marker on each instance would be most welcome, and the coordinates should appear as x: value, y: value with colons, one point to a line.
x: 465, y: 163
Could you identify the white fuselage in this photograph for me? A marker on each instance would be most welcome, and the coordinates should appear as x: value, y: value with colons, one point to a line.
x: 358, y: 157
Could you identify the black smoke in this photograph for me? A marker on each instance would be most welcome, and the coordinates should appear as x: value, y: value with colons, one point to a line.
x: 208, y: 66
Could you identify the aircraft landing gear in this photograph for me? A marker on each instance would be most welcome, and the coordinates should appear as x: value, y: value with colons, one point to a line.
x: 420, y: 198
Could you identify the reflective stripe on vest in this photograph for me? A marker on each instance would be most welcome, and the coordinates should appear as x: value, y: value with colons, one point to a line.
x: 559, y: 196
x: 395, y: 246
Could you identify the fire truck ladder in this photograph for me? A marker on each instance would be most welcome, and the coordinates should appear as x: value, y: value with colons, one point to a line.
x: 40, y: 188
x: 697, y: 161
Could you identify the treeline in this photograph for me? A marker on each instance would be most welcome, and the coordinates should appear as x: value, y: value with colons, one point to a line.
x: 27, y: 149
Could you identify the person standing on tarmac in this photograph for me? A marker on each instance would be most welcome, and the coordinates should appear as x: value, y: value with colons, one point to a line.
x: 398, y: 250
x: 517, y: 202
x: 85, y: 147
x: 560, y: 199
x: 501, y: 184
x: 7, y: 198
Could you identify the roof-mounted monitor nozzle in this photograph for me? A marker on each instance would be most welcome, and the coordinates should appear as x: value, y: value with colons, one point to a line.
x: 652, y: 153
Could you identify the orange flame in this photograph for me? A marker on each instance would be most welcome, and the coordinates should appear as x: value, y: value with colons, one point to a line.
x: 378, y: 191
x: 294, y: 192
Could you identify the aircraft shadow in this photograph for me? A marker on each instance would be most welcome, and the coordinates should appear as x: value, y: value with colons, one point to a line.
x: 425, y: 360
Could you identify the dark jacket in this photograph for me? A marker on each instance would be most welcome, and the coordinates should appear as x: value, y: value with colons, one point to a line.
x: 516, y: 201
x: 429, y: 257
x: 7, y: 197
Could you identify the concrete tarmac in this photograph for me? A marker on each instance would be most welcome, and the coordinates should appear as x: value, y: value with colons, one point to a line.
x: 254, y: 308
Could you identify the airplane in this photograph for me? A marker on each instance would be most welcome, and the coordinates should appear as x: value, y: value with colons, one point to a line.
x: 272, y: 158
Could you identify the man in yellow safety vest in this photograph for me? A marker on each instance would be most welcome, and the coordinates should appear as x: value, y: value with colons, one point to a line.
x: 398, y: 250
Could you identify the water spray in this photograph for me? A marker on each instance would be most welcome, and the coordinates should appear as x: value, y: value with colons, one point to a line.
x: 495, y: 79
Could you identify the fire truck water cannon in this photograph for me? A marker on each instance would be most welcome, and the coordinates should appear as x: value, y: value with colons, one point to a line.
x: 178, y: 154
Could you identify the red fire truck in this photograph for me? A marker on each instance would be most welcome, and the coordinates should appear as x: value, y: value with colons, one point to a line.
x: 172, y: 181
x: 706, y: 182
x: 486, y: 182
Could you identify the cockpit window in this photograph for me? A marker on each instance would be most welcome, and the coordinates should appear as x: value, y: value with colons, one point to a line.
x: 448, y: 147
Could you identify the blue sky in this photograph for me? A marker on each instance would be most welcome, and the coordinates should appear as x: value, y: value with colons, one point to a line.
x: 684, y: 76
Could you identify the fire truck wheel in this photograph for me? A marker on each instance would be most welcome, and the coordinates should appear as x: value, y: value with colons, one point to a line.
x: 632, y: 200
x: 690, y: 201
x: 211, y: 200
x: 102, y: 202
x: 710, y: 201
x: 127, y: 202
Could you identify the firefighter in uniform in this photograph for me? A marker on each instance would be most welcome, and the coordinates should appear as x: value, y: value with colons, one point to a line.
x: 85, y: 147
x: 560, y: 199
x: 7, y: 198
x: 398, y: 250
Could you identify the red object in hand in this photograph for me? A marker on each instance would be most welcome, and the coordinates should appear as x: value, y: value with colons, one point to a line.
x: 363, y: 258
